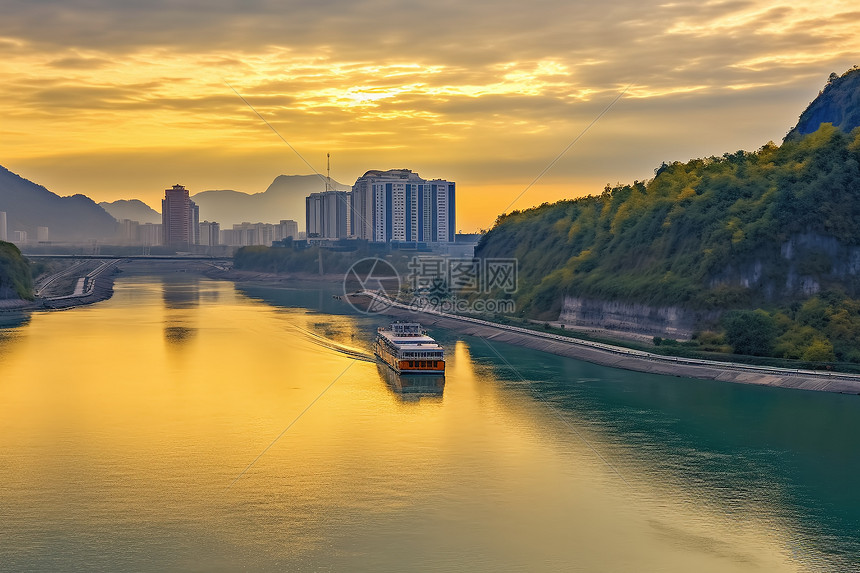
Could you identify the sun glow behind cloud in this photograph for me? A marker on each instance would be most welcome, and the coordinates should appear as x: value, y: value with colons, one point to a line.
x: 485, y: 97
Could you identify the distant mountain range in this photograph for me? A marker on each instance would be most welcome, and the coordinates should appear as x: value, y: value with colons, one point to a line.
x: 28, y: 206
x: 75, y: 218
x: 283, y: 199
x: 133, y: 209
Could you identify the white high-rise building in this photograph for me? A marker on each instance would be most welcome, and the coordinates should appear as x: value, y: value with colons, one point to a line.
x: 327, y: 214
x: 3, y: 233
x: 246, y: 234
x: 286, y: 228
x: 398, y: 205
x: 150, y: 234
x: 128, y: 232
x: 210, y: 233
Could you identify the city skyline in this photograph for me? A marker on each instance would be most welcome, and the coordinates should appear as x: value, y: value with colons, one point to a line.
x: 110, y: 100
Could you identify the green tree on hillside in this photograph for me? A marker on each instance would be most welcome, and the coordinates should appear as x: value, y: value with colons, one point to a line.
x: 15, y: 278
x: 717, y: 233
x: 750, y: 332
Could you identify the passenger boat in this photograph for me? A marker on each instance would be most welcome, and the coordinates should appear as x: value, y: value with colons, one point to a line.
x: 407, y: 349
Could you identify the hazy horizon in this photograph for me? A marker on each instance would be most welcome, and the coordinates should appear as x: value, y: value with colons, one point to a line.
x: 118, y: 100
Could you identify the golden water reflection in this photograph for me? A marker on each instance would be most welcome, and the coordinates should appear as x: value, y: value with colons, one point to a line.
x: 119, y: 453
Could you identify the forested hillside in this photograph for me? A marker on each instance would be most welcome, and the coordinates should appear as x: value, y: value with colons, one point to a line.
x: 15, y: 279
x: 767, y: 229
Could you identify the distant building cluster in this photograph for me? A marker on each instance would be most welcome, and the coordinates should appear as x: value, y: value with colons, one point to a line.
x: 382, y: 207
x: 135, y: 233
x: 21, y: 237
x: 385, y: 206
x: 245, y: 234
x: 180, y: 227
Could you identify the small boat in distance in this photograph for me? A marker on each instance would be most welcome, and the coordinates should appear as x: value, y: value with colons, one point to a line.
x: 407, y: 349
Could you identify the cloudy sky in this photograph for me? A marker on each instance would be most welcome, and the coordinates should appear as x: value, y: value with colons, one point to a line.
x: 121, y: 99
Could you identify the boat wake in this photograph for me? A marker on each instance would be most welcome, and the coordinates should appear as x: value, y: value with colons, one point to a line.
x: 350, y: 351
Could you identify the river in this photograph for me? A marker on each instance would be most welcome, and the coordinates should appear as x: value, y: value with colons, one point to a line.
x: 187, y: 424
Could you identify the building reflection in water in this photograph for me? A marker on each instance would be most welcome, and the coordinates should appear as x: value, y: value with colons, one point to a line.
x: 181, y: 293
x: 181, y: 296
x: 412, y: 387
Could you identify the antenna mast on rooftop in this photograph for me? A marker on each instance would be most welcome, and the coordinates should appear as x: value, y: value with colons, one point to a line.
x: 328, y: 172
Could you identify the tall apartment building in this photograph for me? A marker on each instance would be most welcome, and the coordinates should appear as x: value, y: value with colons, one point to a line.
x: 180, y: 218
x: 3, y: 233
x: 398, y: 205
x: 247, y: 234
x: 209, y: 234
x: 150, y: 234
x: 128, y: 232
x: 286, y: 228
x: 327, y: 214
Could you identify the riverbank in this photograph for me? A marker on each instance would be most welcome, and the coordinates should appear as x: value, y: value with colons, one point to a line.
x: 93, y: 287
x: 627, y: 359
x: 99, y: 287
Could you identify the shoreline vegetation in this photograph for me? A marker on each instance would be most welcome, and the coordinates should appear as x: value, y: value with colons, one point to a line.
x: 751, y: 252
x: 803, y: 339
x: 75, y: 285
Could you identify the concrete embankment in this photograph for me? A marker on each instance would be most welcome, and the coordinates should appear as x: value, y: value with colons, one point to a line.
x: 619, y: 357
x: 96, y: 286
x: 15, y: 305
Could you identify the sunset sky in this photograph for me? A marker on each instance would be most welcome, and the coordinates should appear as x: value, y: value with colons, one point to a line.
x: 119, y: 99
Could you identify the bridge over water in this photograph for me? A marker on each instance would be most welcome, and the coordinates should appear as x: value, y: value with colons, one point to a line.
x: 207, y: 258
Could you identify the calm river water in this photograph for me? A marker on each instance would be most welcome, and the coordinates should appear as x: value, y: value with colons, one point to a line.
x: 186, y: 424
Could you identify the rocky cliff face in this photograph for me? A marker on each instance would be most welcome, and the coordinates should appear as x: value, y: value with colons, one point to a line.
x: 634, y: 318
x: 805, y: 264
x: 838, y: 103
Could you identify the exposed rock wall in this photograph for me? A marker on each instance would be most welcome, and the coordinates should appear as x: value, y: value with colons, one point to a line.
x: 805, y: 264
x: 838, y: 103
x: 667, y: 321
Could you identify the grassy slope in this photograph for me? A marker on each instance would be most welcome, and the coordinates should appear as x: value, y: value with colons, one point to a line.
x: 15, y: 278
